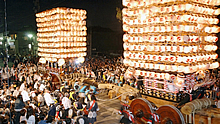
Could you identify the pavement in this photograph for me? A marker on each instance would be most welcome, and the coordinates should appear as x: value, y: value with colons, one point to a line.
x: 108, y: 113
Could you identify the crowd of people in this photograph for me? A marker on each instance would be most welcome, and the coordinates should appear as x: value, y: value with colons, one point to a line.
x: 27, y: 96
x: 101, y: 69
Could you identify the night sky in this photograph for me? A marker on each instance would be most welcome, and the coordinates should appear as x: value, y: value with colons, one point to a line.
x: 20, y: 13
x: 102, y: 13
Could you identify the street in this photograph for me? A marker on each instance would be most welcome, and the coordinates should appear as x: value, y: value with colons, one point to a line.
x: 108, y: 110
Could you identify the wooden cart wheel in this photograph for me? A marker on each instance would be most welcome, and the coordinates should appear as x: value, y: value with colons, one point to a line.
x: 56, y: 78
x: 141, y: 108
x: 170, y: 115
x: 46, y: 75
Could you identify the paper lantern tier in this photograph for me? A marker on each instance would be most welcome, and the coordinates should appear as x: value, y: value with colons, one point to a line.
x: 160, y: 38
x: 62, y: 55
x: 60, y: 10
x: 148, y: 3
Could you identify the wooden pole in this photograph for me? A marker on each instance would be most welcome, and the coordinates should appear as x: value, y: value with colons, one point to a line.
x: 190, y: 118
x: 51, y: 65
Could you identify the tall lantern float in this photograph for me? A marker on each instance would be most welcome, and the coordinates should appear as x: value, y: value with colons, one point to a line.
x: 61, y: 34
x: 174, y: 37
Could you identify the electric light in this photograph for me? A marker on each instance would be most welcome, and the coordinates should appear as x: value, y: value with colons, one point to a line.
x: 30, y: 35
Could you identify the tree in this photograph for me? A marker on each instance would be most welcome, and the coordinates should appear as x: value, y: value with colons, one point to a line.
x: 119, y: 14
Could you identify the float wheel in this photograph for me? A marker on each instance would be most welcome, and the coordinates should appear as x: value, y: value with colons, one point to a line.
x: 170, y: 115
x: 141, y: 109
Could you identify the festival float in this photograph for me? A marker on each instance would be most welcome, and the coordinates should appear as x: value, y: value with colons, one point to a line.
x: 61, y: 34
x: 171, y: 44
x: 62, y: 37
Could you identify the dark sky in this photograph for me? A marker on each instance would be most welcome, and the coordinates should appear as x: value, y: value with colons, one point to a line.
x: 99, y: 12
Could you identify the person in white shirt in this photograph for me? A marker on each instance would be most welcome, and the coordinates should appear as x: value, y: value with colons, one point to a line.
x: 4, y: 74
x: 20, y: 74
x: 23, y: 115
x: 28, y: 79
x: 37, y: 77
x: 30, y: 115
x: 8, y: 91
x: 16, y: 92
x: 85, y: 70
x: 42, y: 86
x: 88, y: 74
x: 66, y: 103
x: 40, y: 98
x: 36, y: 84
x: 23, y: 85
x: 25, y: 95
x: 82, y: 70
x: 12, y: 71
x: 93, y: 75
x: 33, y: 93
x: 47, y: 97
x: 22, y: 77
x: 19, y: 65
x: 11, y: 89
x: 28, y: 64
x: 3, y: 97
x: 34, y: 68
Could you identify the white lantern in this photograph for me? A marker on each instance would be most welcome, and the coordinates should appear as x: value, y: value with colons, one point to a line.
x: 173, y: 68
x: 137, y: 72
x: 180, y: 80
x: 214, y: 65
x: 162, y: 67
x: 42, y: 60
x: 61, y: 62
x: 167, y: 76
x: 187, y: 69
x: 151, y: 66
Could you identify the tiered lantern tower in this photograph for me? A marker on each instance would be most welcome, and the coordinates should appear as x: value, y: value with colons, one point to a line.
x: 168, y: 41
x: 61, y: 34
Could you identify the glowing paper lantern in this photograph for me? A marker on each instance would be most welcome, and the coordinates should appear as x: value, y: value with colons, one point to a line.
x: 42, y: 60
x: 61, y: 62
